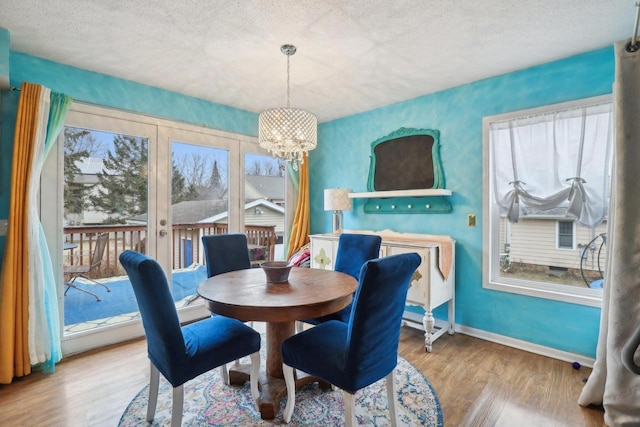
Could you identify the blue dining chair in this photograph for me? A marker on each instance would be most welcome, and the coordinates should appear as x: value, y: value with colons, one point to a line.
x: 356, y: 354
x: 183, y: 353
x: 353, y: 251
x: 225, y: 252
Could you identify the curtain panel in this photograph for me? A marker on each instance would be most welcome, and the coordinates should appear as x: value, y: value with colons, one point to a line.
x: 29, y: 320
x: 299, y: 235
x: 611, y: 383
x: 556, y: 160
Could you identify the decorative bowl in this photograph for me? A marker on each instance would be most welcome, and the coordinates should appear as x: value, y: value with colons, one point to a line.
x: 276, y: 271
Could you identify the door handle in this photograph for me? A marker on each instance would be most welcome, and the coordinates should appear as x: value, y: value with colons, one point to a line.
x: 162, y: 232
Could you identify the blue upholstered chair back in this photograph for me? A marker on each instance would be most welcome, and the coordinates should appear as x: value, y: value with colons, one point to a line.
x: 226, y: 252
x: 354, y: 250
x: 376, y: 315
x: 165, y: 341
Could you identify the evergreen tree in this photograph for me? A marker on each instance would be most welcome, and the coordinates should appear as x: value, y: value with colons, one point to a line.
x: 180, y: 191
x: 122, y: 184
x: 75, y: 151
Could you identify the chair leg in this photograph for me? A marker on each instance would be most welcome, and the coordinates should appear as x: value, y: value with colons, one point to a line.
x: 70, y: 285
x: 255, y: 373
x: 176, y: 409
x: 349, y: 408
x: 224, y: 374
x: 291, y: 392
x: 154, y: 383
x: 94, y: 281
x: 391, y: 396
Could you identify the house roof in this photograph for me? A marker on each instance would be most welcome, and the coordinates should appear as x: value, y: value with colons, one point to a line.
x: 353, y: 56
x: 264, y: 187
x: 190, y: 212
x: 194, y: 211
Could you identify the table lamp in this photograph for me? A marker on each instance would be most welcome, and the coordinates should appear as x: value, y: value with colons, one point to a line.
x: 337, y: 200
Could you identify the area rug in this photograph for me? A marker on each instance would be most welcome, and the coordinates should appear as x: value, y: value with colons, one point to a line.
x: 208, y: 402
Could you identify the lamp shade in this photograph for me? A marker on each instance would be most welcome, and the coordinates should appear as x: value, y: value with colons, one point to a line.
x: 337, y: 199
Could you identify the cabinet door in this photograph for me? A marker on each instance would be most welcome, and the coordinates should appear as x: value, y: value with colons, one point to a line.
x: 419, y: 285
x: 323, y: 253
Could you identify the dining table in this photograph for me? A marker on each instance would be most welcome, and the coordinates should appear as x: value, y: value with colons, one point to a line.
x: 247, y: 296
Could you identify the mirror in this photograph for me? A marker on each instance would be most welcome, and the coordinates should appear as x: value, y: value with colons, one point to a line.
x: 407, y: 159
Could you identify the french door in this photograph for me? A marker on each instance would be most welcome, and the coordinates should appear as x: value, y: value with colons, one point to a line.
x: 153, y: 186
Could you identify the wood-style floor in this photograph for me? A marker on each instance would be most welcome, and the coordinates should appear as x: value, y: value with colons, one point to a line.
x: 479, y: 383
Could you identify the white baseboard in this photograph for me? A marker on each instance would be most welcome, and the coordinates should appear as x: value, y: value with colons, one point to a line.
x: 415, y: 320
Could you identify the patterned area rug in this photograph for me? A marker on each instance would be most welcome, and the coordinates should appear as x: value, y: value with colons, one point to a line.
x: 209, y: 402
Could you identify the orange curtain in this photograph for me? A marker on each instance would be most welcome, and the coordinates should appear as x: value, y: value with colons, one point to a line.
x: 14, y: 302
x: 301, y: 223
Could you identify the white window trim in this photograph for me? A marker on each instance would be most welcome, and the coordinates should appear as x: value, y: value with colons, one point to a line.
x: 491, y: 278
x: 573, y: 236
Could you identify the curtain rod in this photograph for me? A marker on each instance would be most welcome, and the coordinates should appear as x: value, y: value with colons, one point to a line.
x: 634, y: 45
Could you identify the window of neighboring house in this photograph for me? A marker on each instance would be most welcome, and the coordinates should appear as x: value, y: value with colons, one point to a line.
x: 565, y: 235
x: 546, y: 198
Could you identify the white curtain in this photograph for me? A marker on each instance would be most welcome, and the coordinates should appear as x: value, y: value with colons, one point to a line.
x: 44, y: 319
x: 559, y: 160
x: 39, y: 338
x: 610, y: 383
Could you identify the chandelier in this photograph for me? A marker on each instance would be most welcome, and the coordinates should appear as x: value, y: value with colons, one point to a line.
x: 288, y: 133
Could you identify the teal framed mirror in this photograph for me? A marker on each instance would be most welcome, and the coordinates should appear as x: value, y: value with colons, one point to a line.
x: 406, y: 159
x: 406, y: 174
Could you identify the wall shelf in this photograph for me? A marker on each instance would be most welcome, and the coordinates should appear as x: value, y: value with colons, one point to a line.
x: 430, y: 192
x: 406, y: 201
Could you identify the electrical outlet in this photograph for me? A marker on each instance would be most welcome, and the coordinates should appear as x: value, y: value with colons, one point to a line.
x: 3, y: 227
x: 471, y: 220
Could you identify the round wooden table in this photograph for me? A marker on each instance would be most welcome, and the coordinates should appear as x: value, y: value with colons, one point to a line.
x: 246, y: 295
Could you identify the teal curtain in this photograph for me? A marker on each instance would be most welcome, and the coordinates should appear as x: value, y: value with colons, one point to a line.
x: 58, y: 111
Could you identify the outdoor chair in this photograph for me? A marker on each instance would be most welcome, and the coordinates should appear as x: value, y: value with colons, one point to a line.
x: 354, y: 355
x: 353, y: 251
x: 182, y: 353
x: 75, y: 271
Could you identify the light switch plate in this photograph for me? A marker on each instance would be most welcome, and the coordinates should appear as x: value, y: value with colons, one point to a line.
x: 471, y: 220
x: 4, y: 223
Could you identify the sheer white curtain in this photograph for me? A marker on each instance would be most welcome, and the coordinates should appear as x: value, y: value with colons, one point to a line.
x: 44, y: 321
x: 611, y: 383
x: 556, y: 160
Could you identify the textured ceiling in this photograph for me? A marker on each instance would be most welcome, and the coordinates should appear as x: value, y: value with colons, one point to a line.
x: 353, y: 55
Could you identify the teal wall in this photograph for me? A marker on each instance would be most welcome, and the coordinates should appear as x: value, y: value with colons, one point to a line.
x: 4, y: 57
x: 342, y: 160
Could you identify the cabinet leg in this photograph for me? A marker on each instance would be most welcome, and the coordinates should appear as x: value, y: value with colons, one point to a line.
x: 452, y: 315
x: 428, y: 321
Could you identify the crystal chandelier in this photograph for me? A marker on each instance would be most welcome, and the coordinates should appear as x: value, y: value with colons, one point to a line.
x: 288, y: 133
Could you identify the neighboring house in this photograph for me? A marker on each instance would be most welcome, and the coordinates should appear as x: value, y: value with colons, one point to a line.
x: 88, y: 176
x: 549, y: 239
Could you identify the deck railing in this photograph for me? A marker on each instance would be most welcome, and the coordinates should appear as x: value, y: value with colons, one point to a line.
x: 186, y: 244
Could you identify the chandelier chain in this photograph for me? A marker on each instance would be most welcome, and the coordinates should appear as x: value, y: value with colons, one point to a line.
x: 288, y: 80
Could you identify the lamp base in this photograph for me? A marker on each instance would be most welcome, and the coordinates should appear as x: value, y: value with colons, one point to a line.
x: 337, y: 222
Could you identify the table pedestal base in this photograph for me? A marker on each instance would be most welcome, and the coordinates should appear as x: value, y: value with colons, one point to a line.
x: 272, y: 389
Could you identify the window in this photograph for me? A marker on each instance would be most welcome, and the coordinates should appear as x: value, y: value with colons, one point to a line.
x: 565, y: 235
x: 546, y: 197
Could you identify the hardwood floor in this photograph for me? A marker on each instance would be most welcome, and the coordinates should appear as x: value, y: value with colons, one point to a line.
x: 479, y: 383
